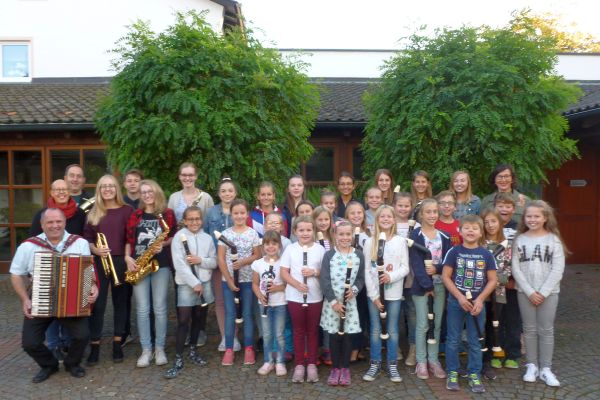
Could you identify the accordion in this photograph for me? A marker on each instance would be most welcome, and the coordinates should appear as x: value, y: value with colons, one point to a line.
x: 61, y: 285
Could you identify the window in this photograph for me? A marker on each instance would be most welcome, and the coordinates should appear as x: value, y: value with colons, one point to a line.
x: 321, y: 166
x: 15, y: 60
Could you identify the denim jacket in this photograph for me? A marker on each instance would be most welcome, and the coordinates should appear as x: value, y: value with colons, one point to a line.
x: 216, y: 220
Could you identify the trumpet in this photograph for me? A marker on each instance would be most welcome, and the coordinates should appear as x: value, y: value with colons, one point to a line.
x: 107, y: 262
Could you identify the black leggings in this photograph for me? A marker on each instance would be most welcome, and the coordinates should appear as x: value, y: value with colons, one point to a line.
x: 340, y: 347
x: 196, y: 314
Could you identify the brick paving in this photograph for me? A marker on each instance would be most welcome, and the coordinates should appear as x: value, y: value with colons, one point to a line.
x: 576, y: 363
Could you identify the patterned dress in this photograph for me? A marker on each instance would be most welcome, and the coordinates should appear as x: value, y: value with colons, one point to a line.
x: 337, y: 265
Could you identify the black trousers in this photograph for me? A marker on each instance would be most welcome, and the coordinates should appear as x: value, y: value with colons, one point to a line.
x: 33, y: 336
x: 341, y: 347
x: 119, y: 298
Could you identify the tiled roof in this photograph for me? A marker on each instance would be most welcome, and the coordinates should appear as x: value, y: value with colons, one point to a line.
x: 58, y: 103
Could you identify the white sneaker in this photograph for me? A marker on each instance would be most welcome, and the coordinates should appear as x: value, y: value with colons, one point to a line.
x: 222, y: 345
x: 236, y: 344
x: 547, y: 376
x: 144, y: 359
x: 531, y: 374
x: 161, y: 357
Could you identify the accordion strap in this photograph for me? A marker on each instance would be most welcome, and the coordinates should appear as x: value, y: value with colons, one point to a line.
x: 42, y: 243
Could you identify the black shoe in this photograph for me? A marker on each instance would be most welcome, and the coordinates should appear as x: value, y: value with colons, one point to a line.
x: 44, y: 374
x: 117, y: 351
x: 94, y: 354
x: 76, y: 371
x: 197, y: 358
x: 58, y: 354
x: 177, y: 367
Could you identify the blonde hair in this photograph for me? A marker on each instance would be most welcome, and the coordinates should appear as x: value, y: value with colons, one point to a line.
x: 363, y: 225
x: 551, y: 225
x: 160, y: 202
x: 99, y: 209
x: 468, y: 190
x: 329, y: 232
x: 377, y: 231
x: 500, y: 235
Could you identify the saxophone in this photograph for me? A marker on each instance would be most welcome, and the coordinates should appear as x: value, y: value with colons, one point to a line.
x: 146, y: 262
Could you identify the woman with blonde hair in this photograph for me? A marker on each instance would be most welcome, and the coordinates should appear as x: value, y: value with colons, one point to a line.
x: 466, y: 201
x: 143, y: 228
x: 108, y: 217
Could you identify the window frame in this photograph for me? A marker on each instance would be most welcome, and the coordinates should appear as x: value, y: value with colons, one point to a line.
x: 16, y: 42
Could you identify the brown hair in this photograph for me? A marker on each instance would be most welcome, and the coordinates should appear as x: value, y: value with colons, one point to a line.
x: 388, y: 196
x: 474, y: 219
x: 272, y: 236
x: 499, y: 168
x: 428, y: 192
x: 445, y: 193
x: 289, y: 201
x: 192, y: 209
x: 551, y: 225
x: 240, y: 202
x: 500, y: 235
x: 504, y: 198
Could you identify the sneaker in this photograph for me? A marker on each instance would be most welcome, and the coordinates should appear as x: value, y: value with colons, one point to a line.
x: 288, y: 356
x: 436, y: 369
x: 160, y: 356
x: 312, y: 374
x: 462, y: 372
x: 452, y: 381
x: 266, y: 368
x: 58, y: 354
x: 127, y: 339
x: 549, y: 378
x: 280, y: 369
x: 372, y: 372
x: 334, y: 377
x: 249, y: 357
x: 236, y: 344
x: 489, y: 372
x: 117, y: 353
x: 202, y: 338
x: 345, y: 379
x: 187, y: 340
x: 176, y: 369
x: 496, y: 363
x: 196, y: 358
x: 393, y: 373
x: 411, y: 357
x: 298, y: 376
x: 475, y: 383
x: 145, y: 358
x: 399, y: 355
x: 512, y: 364
x: 531, y: 374
x: 222, y: 345
x: 421, y: 371
x: 227, y: 357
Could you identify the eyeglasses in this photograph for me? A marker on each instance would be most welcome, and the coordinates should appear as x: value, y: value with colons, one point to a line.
x: 503, y: 177
x: 147, y: 192
x: 59, y: 190
x: 111, y: 186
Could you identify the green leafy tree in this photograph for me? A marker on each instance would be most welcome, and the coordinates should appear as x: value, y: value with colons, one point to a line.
x: 469, y: 98
x: 223, y: 102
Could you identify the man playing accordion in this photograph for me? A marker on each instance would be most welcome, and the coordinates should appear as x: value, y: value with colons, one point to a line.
x: 54, y: 239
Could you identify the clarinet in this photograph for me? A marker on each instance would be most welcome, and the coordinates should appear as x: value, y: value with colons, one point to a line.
x: 430, y: 313
x: 380, y: 271
x: 321, y: 239
x: 469, y: 297
x: 184, y: 242
x: 341, y: 329
x: 304, y: 277
x: 270, y: 278
x: 356, y: 243
x: 495, y: 322
x: 236, y: 276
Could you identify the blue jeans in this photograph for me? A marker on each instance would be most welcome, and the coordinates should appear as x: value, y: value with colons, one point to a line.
x: 424, y: 351
x: 393, y: 314
x: 248, y: 299
x: 455, y: 320
x: 153, y: 288
x: 57, y: 336
x: 272, y: 327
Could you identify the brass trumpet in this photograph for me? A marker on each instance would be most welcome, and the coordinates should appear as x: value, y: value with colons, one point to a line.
x: 107, y: 262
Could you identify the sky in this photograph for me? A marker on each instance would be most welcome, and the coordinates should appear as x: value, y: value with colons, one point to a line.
x: 379, y: 24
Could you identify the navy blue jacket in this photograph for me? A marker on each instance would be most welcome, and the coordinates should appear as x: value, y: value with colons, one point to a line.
x: 423, y: 283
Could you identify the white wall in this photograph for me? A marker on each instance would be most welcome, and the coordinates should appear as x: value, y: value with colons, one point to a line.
x: 70, y: 38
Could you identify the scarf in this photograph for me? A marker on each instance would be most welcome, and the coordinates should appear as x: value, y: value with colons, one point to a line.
x: 68, y: 209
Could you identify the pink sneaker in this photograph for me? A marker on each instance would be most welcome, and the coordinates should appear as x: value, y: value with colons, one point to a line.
x: 249, y: 358
x: 312, y: 375
x: 266, y: 369
x: 345, y: 377
x: 298, y: 376
x: 280, y: 369
x: 227, y: 357
x: 421, y: 371
x: 436, y: 369
x: 334, y: 377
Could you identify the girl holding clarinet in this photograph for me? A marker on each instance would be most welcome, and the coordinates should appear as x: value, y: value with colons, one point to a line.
x: 194, y: 258
x: 428, y: 284
x: 300, y: 269
x: 386, y: 258
x: 538, y: 263
x: 342, y: 277
x: 243, y: 243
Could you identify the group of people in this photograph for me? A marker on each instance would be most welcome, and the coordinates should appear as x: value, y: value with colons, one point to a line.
x: 316, y: 283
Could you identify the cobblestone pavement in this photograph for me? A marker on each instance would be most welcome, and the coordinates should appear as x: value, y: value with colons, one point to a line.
x: 576, y: 363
